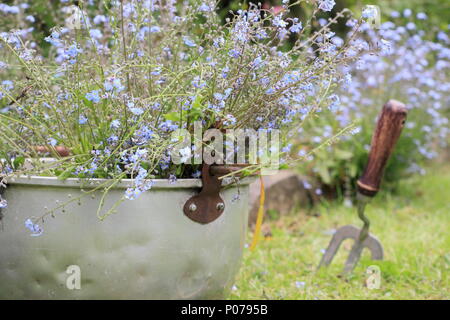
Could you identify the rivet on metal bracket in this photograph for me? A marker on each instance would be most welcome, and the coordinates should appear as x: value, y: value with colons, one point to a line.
x: 206, y: 206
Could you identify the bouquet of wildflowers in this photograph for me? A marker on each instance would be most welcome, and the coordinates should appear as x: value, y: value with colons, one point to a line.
x: 122, y: 76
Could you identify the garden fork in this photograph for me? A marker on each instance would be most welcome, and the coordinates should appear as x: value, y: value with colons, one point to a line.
x: 389, y: 126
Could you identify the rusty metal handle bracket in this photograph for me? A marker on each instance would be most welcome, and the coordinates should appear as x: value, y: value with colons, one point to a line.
x: 206, y: 206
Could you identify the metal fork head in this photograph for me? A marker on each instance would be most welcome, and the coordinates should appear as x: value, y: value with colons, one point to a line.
x: 362, y: 237
x: 351, y: 232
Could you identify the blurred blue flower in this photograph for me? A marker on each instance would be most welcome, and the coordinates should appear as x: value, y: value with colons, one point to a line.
x: 93, y: 96
x: 296, y: 27
x: 187, y: 41
x: 82, y: 119
x: 326, y: 5
x: 115, y: 124
x: 35, y: 229
x: 3, y: 203
x: 134, y: 110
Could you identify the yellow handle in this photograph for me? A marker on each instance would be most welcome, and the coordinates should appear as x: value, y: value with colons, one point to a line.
x: 260, y: 216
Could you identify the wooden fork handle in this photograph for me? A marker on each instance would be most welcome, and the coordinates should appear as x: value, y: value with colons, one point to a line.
x: 389, y: 127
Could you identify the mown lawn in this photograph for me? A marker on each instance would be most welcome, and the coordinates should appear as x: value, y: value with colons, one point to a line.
x: 413, y: 226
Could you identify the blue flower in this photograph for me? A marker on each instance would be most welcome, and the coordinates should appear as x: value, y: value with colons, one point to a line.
x: 234, y: 53
x: 198, y: 83
x: 241, y: 31
x: 186, y: 154
x: 134, y: 110
x: 204, y: 7
x: 287, y: 148
x: 113, y: 84
x: 143, y: 135
x: 154, y: 29
x: 261, y: 34
x: 218, y: 96
x: 302, y: 153
x: 225, y: 72
x: 93, y: 96
x: 172, y: 179
x: 296, y: 27
x: 422, y: 16
x: 189, y: 42
x: 100, y: 19
x: 279, y: 22
x: 9, y: 9
x: 140, y: 185
x: 54, y: 40
x: 30, y: 19
x: 258, y: 62
x: 132, y: 193
x: 35, y: 229
x: 385, y: 46
x: 229, y: 120
x: 112, y: 139
x: 3, y: 203
x: 115, y: 124
x: 218, y: 42
x: 369, y: 12
x: 326, y: 5
x: 73, y: 51
x: 8, y: 84
x: 82, y: 119
x: 407, y: 13
x: 95, y: 34
x: 168, y: 126
x: 411, y: 26
x: 52, y: 142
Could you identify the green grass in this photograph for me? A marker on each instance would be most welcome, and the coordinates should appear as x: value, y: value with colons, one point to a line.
x: 413, y: 226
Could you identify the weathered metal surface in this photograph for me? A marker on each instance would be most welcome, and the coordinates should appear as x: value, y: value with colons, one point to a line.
x: 148, y: 250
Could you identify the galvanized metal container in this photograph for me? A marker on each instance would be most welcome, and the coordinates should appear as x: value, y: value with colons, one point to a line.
x: 148, y: 250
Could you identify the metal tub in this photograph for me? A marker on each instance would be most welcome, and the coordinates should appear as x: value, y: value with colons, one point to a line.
x: 148, y: 250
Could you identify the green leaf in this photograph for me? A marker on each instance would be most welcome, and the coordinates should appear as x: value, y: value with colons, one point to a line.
x: 342, y: 154
x: 197, y: 107
x: 173, y: 116
x: 18, y: 162
x: 324, y: 174
x: 352, y: 169
x: 66, y: 173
